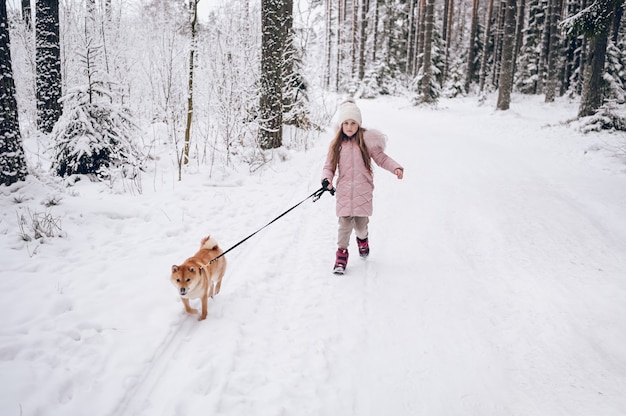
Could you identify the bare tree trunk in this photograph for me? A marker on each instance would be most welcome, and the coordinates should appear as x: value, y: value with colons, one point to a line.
x: 426, y: 95
x: 365, y: 4
x: 519, y: 32
x: 270, y: 106
x: 446, y: 16
x: 192, y: 50
x: 421, y: 31
x: 376, y: 19
x: 417, y: 45
x: 553, y: 56
x: 411, y: 37
x: 354, y: 42
x: 448, y: 38
x: 108, y: 10
x: 508, y: 44
x: 471, y: 56
x: 617, y: 21
x: 329, y: 31
x: 598, y: 36
x: 593, y: 93
x: 543, y: 57
x: 485, y: 57
x: 26, y: 14
x: 584, y: 48
x: 497, y: 44
x: 339, y: 45
x: 12, y: 160
x: 291, y: 82
x: 48, y: 63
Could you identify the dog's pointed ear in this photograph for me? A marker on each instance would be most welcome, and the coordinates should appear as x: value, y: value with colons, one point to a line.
x: 174, y: 268
x: 192, y: 269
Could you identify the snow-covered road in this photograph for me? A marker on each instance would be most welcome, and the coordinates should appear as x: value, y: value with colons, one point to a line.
x: 496, y: 285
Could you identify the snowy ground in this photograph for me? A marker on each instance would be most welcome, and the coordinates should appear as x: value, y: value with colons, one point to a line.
x: 496, y: 283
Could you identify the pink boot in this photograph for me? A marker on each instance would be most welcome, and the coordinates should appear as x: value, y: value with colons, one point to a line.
x: 364, y: 247
x: 342, y: 261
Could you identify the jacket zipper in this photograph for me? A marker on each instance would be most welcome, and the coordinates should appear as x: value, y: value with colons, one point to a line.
x: 353, y: 179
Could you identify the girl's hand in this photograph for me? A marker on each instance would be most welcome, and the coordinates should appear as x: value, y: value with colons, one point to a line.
x: 399, y: 173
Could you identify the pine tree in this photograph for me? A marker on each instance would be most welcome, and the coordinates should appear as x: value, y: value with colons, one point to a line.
x: 12, y: 159
x: 94, y: 136
x: 573, y: 56
x: 295, y: 111
x: 615, y: 76
x: 595, y: 22
x: 530, y: 56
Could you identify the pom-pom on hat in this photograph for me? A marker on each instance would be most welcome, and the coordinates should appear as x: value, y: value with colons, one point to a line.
x: 348, y: 111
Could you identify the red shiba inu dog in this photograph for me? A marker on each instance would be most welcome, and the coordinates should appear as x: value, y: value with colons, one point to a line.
x: 197, y: 277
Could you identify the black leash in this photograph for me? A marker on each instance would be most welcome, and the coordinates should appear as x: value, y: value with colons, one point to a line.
x: 315, y: 195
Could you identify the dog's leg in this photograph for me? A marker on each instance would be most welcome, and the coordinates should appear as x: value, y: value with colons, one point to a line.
x: 202, y: 317
x: 211, y: 288
x: 219, y: 279
x: 188, y: 308
x: 218, y: 284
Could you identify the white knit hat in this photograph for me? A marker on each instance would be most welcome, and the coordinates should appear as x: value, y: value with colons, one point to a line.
x: 348, y: 111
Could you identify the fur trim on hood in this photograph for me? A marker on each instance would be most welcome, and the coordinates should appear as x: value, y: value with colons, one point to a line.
x: 375, y: 138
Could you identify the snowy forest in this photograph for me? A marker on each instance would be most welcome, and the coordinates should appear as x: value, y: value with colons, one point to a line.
x: 85, y: 81
x: 133, y: 129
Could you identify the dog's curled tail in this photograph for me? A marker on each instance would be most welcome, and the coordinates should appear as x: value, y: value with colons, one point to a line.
x: 209, y: 243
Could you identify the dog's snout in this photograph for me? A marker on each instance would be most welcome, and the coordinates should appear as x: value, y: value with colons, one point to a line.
x: 183, y: 290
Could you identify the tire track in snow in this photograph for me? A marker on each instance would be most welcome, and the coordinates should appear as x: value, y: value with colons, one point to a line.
x: 137, y: 396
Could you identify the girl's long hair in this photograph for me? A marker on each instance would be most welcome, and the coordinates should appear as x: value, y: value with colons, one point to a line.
x: 335, y: 147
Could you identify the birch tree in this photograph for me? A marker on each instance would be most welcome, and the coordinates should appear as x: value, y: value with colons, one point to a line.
x: 193, y: 6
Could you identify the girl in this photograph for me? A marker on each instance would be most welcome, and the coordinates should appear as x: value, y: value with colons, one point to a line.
x: 351, y: 152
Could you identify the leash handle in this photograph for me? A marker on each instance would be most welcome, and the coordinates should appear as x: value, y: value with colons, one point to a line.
x: 318, y: 194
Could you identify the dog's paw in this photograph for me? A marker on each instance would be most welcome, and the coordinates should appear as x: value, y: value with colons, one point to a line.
x: 192, y: 311
x: 202, y: 317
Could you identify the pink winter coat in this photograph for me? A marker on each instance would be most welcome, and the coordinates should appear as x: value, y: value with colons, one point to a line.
x: 355, y: 184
